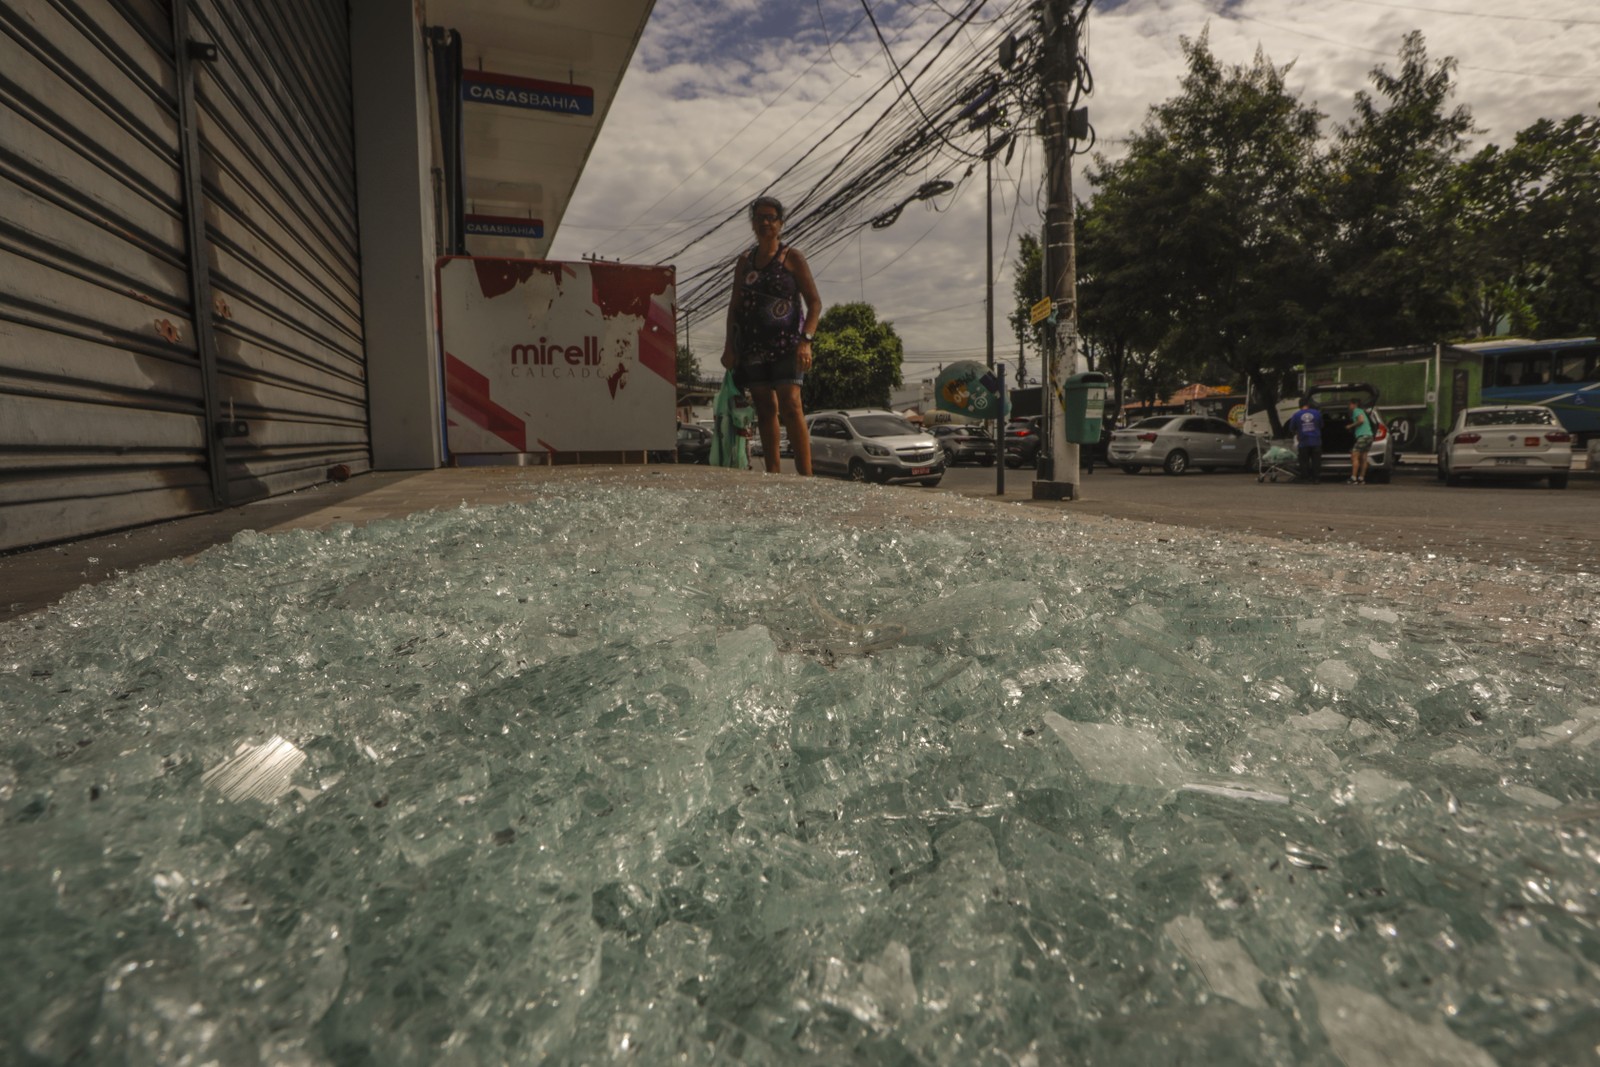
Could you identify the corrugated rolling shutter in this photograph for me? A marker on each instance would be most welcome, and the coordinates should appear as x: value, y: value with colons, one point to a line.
x: 279, y: 170
x: 103, y: 412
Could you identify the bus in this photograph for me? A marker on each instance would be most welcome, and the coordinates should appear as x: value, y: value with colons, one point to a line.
x: 1561, y: 375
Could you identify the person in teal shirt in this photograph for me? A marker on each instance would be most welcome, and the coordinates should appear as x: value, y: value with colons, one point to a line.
x: 1361, y: 426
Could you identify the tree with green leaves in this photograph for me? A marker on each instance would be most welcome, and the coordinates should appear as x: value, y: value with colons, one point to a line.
x: 688, y: 367
x: 1559, y: 168
x: 857, y: 360
x: 1486, y: 202
x: 1396, y: 257
x: 1528, y: 232
x: 1120, y: 327
x: 1203, y: 245
x: 1027, y: 289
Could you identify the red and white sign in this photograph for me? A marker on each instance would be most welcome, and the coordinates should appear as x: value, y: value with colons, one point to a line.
x: 542, y: 356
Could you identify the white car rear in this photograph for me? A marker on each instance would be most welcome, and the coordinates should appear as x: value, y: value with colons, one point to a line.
x: 1507, y: 441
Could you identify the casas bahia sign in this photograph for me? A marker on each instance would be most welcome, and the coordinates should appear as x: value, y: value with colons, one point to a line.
x: 504, y: 226
x: 508, y: 90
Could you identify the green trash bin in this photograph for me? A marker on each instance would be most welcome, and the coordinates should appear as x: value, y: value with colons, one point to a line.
x: 1083, y: 397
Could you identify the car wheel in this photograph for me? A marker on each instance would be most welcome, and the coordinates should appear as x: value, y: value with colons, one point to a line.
x: 1252, y: 462
x: 858, y: 471
x: 1177, y: 461
x: 1013, y: 461
x: 1130, y: 468
x: 1442, y: 471
x: 1450, y: 476
x: 1558, y: 481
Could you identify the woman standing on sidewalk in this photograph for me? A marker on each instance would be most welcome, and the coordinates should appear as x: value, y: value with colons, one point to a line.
x: 768, y: 344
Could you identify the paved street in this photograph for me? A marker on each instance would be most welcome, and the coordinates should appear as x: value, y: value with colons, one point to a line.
x: 1505, y: 524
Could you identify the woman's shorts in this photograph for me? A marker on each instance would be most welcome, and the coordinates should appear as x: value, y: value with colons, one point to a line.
x: 1363, y: 444
x: 766, y: 373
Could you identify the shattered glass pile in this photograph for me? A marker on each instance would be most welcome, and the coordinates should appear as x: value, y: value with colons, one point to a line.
x: 619, y: 775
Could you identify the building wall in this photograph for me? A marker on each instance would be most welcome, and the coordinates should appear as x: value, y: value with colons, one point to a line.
x: 394, y: 152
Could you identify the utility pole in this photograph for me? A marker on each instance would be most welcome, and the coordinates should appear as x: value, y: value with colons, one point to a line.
x: 988, y: 305
x: 1058, y: 464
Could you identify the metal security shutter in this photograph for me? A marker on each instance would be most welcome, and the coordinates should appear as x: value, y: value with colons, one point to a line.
x: 278, y: 146
x: 110, y: 388
x: 101, y: 411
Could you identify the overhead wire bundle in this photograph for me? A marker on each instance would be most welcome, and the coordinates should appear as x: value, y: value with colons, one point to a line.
x: 925, y: 140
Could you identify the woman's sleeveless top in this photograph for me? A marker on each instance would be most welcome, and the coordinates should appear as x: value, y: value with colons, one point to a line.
x: 768, y: 313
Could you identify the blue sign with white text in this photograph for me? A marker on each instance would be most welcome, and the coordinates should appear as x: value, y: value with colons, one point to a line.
x: 504, y: 226
x: 508, y: 90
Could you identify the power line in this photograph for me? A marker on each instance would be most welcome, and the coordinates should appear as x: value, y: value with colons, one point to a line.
x: 899, y: 74
x: 832, y: 210
x: 736, y: 211
x: 1390, y: 53
x: 1480, y: 14
x: 776, y: 137
x: 860, y: 158
x: 936, y: 311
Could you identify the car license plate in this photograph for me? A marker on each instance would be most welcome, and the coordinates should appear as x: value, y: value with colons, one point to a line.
x: 1510, y: 461
x: 920, y: 470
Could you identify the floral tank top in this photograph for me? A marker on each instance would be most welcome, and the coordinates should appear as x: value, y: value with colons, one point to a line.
x: 768, y: 314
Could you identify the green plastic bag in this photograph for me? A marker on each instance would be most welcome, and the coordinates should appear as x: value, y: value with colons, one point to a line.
x: 730, y: 441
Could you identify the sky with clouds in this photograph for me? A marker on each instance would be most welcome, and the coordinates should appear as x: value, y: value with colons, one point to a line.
x: 723, y: 96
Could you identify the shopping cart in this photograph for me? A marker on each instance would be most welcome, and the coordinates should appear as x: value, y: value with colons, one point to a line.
x: 1277, y: 457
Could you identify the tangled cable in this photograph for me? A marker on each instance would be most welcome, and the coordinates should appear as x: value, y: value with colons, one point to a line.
x: 944, y: 105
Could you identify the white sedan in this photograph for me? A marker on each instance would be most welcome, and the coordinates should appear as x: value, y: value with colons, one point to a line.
x: 1507, y: 441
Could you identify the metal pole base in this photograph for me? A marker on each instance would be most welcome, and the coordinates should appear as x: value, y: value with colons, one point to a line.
x: 1043, y: 490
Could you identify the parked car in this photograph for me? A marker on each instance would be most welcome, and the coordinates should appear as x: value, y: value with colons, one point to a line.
x: 758, y: 450
x: 1525, y: 441
x: 1091, y: 456
x: 1338, y: 435
x: 694, y: 444
x: 964, y: 444
x: 871, y: 444
x: 1023, y: 438
x: 1176, y: 443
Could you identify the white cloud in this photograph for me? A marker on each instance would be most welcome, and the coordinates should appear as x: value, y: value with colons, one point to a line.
x: 724, y: 95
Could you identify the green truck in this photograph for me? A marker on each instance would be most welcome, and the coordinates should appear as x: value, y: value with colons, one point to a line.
x: 1421, y: 388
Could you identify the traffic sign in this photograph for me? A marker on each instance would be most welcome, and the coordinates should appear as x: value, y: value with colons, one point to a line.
x: 1041, y: 311
x: 963, y: 389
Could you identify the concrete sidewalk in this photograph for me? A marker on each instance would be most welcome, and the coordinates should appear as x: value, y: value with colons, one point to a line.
x: 1559, y: 535
x: 35, y: 578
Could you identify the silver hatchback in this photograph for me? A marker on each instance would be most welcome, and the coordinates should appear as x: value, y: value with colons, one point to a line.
x: 874, y: 445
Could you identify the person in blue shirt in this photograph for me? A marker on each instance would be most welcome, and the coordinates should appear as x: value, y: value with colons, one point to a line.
x: 1306, y: 424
